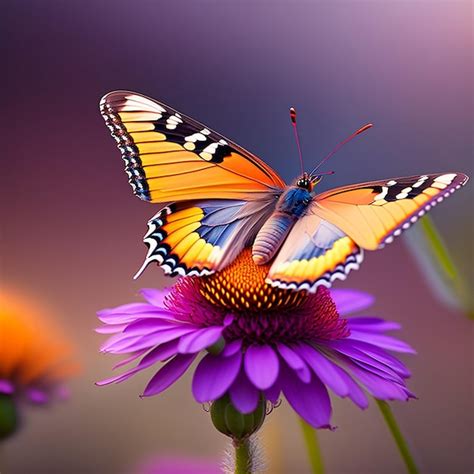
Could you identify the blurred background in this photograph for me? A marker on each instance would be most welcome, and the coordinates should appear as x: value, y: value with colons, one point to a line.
x: 72, y: 230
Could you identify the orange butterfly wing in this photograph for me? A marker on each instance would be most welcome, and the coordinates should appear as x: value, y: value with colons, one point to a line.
x: 373, y: 213
x: 328, y: 241
x: 171, y: 157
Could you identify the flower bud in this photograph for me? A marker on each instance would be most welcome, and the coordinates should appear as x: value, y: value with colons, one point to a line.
x: 229, y: 421
x: 8, y: 416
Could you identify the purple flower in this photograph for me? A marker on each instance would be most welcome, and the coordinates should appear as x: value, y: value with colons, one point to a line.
x: 257, y: 340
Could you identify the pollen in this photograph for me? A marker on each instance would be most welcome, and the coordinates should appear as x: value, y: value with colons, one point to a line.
x: 241, y: 286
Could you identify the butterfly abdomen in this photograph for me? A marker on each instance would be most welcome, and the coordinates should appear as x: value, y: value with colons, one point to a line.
x: 271, y: 236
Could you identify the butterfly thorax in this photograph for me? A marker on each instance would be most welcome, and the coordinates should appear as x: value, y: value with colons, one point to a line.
x: 294, y: 201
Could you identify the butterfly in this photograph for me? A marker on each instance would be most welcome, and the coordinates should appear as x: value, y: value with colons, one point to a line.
x: 218, y: 198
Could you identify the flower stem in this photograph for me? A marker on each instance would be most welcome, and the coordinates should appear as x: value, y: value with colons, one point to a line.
x: 445, y: 263
x: 397, y: 436
x: 242, y: 456
x: 312, y: 447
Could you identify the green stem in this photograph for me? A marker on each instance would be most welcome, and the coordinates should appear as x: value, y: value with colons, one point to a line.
x: 443, y: 258
x: 438, y: 247
x: 242, y: 457
x: 397, y: 436
x: 312, y: 447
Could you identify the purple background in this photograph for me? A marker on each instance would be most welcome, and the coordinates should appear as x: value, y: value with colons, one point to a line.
x: 72, y: 229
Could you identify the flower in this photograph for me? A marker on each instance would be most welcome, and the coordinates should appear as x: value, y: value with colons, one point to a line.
x: 34, y: 358
x: 259, y: 341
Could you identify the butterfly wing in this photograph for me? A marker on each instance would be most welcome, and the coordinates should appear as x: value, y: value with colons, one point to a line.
x: 315, y: 253
x: 171, y: 157
x: 328, y: 241
x: 203, y: 236
x: 373, y: 213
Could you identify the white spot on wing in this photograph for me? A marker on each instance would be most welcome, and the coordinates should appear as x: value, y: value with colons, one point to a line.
x: 195, y: 137
x: 445, y: 178
x: 382, y: 194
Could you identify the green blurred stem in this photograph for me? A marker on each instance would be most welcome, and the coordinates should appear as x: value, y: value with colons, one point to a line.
x: 445, y: 262
x: 397, y: 436
x: 242, y: 456
x: 312, y: 447
x: 438, y: 247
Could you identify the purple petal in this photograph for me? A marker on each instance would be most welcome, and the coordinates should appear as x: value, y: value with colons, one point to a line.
x: 379, y: 387
x: 129, y: 308
x: 350, y: 301
x: 168, y: 374
x: 295, y: 362
x: 137, y: 343
x: 116, y: 342
x: 6, y: 387
x: 309, y: 400
x: 146, y: 326
x: 214, y: 375
x: 231, y: 348
x: 356, y: 394
x: 130, y: 312
x: 133, y: 357
x: 386, y: 342
x: 327, y: 371
x: 37, y: 396
x: 381, y: 370
x: 160, y: 353
x: 369, y: 324
x: 154, y: 296
x: 243, y: 394
x: 199, y: 340
x: 334, y: 376
x: 369, y: 354
x: 261, y: 365
x: 111, y: 328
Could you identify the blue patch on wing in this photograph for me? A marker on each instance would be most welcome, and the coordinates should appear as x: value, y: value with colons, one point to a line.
x: 219, y: 223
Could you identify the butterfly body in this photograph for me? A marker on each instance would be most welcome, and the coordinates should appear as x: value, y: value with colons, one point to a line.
x: 291, y: 205
x: 217, y: 198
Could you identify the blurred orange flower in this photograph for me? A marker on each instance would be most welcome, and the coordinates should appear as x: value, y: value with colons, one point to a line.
x: 35, y: 358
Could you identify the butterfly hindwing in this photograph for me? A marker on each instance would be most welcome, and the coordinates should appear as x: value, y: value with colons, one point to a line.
x: 201, y: 237
x: 171, y: 157
x: 373, y: 213
x: 315, y: 253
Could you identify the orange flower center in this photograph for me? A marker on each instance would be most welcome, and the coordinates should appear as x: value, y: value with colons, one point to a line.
x: 241, y: 286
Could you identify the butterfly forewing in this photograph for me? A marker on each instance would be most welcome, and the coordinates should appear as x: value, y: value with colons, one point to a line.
x: 171, y: 157
x: 373, y: 213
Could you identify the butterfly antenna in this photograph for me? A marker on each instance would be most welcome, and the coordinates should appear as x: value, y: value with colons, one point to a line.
x: 297, y: 138
x: 340, y: 145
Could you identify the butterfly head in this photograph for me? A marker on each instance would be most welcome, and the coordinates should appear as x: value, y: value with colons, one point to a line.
x: 308, y: 182
x: 305, y: 182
